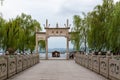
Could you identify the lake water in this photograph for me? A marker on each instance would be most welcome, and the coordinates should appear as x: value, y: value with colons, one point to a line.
x: 0, y: 53
x: 43, y: 55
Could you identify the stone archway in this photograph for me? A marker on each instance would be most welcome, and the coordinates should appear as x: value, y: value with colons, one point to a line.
x: 54, y: 32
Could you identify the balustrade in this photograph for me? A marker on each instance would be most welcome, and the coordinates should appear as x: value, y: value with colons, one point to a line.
x: 106, y: 65
x: 12, y: 64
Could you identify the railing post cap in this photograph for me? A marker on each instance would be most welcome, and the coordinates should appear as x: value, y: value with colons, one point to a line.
x: 93, y: 52
x: 99, y: 53
x: 108, y: 53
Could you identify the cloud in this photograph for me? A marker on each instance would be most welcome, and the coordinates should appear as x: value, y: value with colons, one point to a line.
x: 116, y: 0
x: 48, y: 8
x: 72, y: 7
x: 53, y: 10
x: 12, y: 8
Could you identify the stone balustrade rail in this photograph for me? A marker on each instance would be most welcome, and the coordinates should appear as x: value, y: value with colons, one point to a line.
x: 106, y: 65
x: 13, y: 64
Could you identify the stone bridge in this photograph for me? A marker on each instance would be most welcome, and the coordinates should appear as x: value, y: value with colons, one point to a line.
x: 57, y: 70
x: 88, y: 67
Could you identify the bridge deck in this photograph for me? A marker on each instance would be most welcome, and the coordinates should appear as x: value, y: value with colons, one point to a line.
x: 57, y: 70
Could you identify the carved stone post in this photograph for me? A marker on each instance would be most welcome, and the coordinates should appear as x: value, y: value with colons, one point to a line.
x: 67, y: 51
x: 36, y: 44
x: 46, y: 48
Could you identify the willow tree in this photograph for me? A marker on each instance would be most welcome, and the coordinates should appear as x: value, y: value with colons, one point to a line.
x: 31, y: 41
x: 2, y: 24
x: 75, y: 35
x: 10, y: 40
x: 19, y: 34
x: 114, y: 31
x: 98, y: 23
x: 79, y: 32
x: 84, y: 31
x: 27, y: 32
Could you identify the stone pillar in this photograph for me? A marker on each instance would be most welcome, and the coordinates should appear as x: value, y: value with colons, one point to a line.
x: 36, y: 44
x: 67, y: 51
x: 46, y: 48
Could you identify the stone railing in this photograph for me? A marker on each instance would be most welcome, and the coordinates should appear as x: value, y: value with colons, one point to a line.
x: 19, y: 63
x: 114, y: 69
x: 3, y: 68
x: 106, y: 65
x: 13, y: 64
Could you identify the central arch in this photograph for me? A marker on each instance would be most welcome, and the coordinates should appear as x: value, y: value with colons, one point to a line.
x: 58, y: 45
x: 54, y: 32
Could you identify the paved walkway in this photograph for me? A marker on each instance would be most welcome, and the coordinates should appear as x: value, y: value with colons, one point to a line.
x: 57, y: 70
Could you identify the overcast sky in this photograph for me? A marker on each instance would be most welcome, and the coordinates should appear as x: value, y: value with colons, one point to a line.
x: 53, y: 10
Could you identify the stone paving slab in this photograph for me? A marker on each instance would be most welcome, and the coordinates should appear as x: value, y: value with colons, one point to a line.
x: 57, y: 70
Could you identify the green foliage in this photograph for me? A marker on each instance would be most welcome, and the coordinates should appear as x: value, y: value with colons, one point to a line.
x: 2, y: 24
x: 18, y: 33
x: 98, y: 23
x: 78, y: 35
x: 27, y: 28
x: 75, y: 35
x: 114, y: 31
x: 100, y: 28
x: 42, y: 44
x: 10, y: 35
